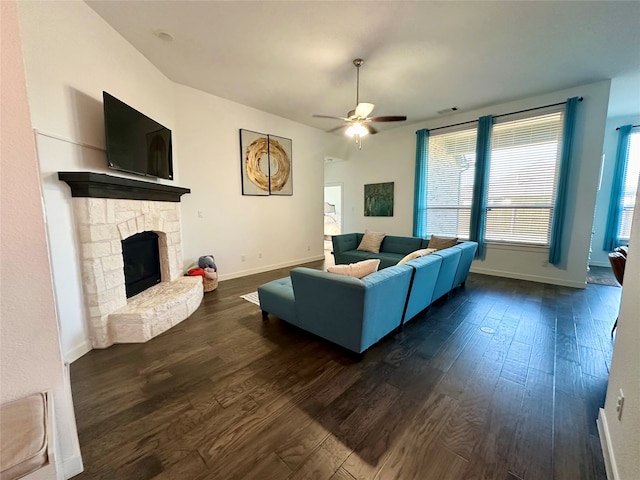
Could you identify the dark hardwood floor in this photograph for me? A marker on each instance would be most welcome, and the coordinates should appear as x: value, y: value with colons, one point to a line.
x: 503, y: 380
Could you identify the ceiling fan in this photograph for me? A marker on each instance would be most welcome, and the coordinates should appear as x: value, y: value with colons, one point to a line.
x: 358, y: 120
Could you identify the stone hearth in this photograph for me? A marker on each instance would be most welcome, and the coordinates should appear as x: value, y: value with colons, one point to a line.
x: 102, y: 224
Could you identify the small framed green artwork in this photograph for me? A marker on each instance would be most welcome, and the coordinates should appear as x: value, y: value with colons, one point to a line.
x: 378, y: 200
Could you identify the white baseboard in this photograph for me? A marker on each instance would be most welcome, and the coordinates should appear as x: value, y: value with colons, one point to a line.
x: 605, y: 442
x: 530, y: 278
x: 77, y: 351
x: 72, y: 466
x: 253, y: 271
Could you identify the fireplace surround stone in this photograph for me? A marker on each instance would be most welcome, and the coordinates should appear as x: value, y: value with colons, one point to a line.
x: 102, y: 224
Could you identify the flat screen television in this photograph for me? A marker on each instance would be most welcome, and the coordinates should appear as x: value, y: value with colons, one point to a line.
x: 136, y: 143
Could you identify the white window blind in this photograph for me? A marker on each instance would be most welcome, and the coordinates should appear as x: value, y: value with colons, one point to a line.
x: 629, y: 186
x: 450, y: 176
x: 523, y: 171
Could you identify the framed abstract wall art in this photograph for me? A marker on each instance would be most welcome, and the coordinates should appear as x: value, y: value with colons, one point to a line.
x: 254, y: 159
x: 280, y: 174
x: 266, y: 164
x: 378, y: 200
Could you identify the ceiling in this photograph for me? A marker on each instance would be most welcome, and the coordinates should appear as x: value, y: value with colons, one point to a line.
x: 294, y: 59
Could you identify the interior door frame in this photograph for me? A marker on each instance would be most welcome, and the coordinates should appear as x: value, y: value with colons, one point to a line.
x: 341, y: 185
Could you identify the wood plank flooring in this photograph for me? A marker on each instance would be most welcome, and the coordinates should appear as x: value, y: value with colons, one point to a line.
x: 503, y: 380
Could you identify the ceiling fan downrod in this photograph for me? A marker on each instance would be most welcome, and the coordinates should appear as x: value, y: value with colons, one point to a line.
x: 358, y: 63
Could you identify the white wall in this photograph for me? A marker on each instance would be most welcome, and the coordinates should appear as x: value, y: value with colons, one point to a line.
x: 599, y: 255
x: 284, y: 230
x: 390, y: 156
x: 71, y: 56
x: 622, y: 435
x: 30, y: 357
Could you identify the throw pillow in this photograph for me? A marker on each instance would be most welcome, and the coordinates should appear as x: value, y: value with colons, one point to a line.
x: 440, y: 243
x: 357, y: 270
x: 371, y: 241
x: 417, y: 254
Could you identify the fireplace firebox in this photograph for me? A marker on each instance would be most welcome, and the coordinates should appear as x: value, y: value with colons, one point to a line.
x: 141, y: 262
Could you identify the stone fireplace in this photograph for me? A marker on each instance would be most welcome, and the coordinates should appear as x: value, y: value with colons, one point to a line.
x: 108, y: 210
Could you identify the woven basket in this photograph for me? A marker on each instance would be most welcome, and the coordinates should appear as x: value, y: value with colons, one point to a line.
x: 209, y: 284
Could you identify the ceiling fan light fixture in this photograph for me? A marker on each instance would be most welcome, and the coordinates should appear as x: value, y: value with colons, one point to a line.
x: 356, y: 129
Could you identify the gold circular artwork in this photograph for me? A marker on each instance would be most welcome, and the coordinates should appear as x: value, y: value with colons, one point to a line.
x: 280, y: 164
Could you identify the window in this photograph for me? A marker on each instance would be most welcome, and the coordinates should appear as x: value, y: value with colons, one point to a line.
x: 501, y: 181
x: 450, y: 176
x: 523, y: 172
x: 629, y: 187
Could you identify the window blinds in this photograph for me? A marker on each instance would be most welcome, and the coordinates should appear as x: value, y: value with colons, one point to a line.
x: 523, y: 171
x: 450, y: 177
x: 629, y: 186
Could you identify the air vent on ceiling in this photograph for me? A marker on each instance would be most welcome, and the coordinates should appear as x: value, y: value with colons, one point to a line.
x: 333, y: 159
x: 447, y: 110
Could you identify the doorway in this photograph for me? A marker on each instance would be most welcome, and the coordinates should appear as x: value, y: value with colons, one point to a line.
x: 332, y: 212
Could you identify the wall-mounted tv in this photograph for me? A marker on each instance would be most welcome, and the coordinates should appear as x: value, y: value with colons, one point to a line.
x: 136, y: 143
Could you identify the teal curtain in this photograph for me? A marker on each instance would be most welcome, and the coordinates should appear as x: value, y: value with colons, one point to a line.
x: 555, y: 240
x: 420, y: 187
x: 611, y: 240
x: 481, y: 184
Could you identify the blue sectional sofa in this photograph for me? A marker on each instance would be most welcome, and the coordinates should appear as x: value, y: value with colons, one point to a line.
x: 357, y: 313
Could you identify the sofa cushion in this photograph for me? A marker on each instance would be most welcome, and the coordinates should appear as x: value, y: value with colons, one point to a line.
x: 276, y: 297
x: 417, y: 254
x: 356, y: 270
x: 386, y: 259
x: 23, y: 424
x: 440, y: 243
x: 371, y: 241
x: 401, y: 245
x: 447, y: 273
x: 426, y: 272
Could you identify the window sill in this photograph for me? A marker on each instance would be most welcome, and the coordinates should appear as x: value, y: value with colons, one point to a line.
x: 517, y: 247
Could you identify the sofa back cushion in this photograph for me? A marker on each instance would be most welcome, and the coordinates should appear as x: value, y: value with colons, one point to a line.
x: 400, y: 245
x: 468, y: 250
x: 345, y: 242
x: 447, y: 273
x: 423, y: 285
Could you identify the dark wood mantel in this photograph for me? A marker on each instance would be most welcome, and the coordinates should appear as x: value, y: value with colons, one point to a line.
x: 101, y: 185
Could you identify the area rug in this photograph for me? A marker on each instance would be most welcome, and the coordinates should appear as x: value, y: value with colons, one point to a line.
x: 602, y: 276
x: 251, y: 297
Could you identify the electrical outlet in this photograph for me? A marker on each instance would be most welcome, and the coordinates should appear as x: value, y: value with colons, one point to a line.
x: 259, y: 254
x: 200, y: 214
x: 242, y: 258
x: 620, y: 404
x: 308, y: 248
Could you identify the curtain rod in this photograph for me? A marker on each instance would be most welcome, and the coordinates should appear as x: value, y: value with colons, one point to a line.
x: 505, y: 114
x: 632, y: 126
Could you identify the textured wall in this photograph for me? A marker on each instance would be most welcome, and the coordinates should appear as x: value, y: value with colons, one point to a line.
x: 30, y: 357
x: 625, y: 367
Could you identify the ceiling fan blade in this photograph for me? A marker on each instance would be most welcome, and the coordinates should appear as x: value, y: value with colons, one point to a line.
x: 364, y: 109
x: 388, y: 118
x: 370, y: 129
x: 330, y: 116
x: 335, y: 129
